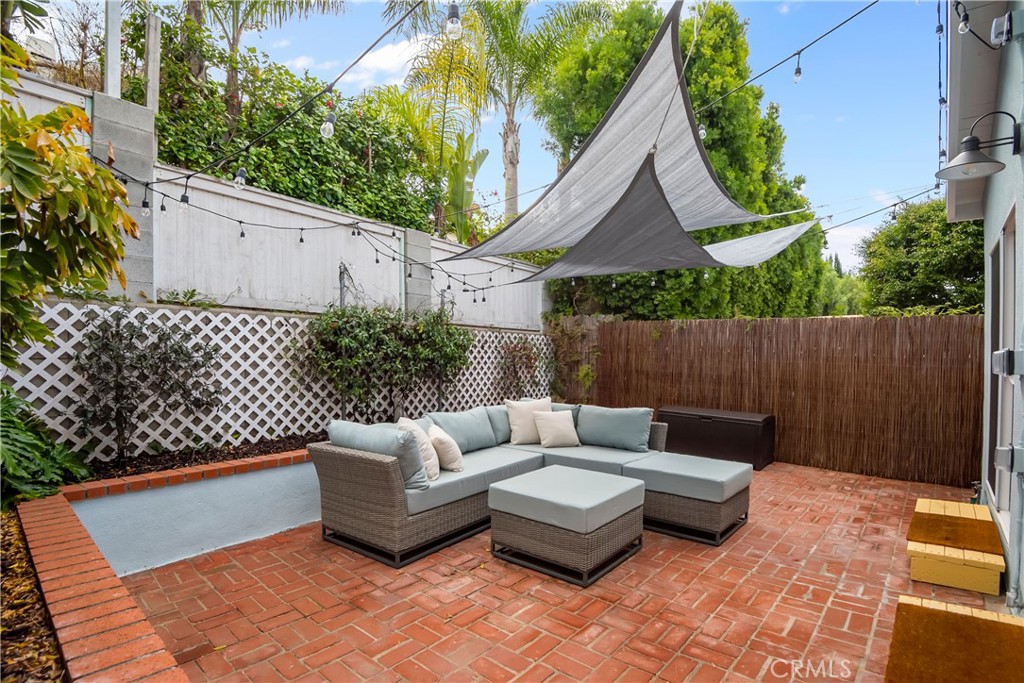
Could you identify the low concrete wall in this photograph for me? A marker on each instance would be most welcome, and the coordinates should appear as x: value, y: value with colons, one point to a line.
x: 154, y: 527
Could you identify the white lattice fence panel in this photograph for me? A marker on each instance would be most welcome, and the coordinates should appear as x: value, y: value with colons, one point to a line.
x: 264, y: 396
x: 479, y: 383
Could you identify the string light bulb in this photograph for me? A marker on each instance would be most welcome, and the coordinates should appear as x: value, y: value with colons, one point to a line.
x: 376, y: 257
x: 965, y: 23
x: 163, y: 205
x: 615, y: 285
x: 327, y: 127
x: 484, y: 297
x: 183, y: 203
x: 453, y: 26
x: 241, y: 230
x: 702, y: 132
x: 939, y: 32
x: 797, y: 72
x: 302, y: 240
x: 240, y: 176
x: 145, y: 207
x: 654, y: 282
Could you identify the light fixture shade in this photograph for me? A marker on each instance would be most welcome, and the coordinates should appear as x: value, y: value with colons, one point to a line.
x: 970, y: 163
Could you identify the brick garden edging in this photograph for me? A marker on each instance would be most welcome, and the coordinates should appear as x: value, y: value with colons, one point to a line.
x: 100, y: 628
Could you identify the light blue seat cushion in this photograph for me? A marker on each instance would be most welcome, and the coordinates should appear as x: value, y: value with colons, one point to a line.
x: 707, y: 479
x: 593, y: 458
x: 484, y: 468
x: 500, y: 425
x: 626, y: 428
x: 568, y: 498
x: 471, y: 429
x: 385, y: 440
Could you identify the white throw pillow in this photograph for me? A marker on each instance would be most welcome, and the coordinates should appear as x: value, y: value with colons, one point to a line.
x: 448, y: 454
x: 426, y: 448
x: 556, y: 429
x: 520, y: 418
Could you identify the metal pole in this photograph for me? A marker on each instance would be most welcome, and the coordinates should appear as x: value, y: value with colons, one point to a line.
x: 153, y: 61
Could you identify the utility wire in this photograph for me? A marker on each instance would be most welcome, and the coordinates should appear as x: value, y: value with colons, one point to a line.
x: 795, y: 54
x: 682, y: 72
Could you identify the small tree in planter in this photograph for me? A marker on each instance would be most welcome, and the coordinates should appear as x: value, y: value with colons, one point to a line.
x: 127, y: 366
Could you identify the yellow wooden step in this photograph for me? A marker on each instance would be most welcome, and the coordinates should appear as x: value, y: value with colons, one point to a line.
x: 962, y: 609
x: 971, y: 558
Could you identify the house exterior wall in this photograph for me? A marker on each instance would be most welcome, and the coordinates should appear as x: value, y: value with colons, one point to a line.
x: 1004, y: 213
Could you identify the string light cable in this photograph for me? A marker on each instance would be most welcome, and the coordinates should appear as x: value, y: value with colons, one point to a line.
x: 965, y: 25
x: 381, y: 246
x: 796, y: 54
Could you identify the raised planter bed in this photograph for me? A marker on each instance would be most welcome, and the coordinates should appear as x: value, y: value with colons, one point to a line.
x: 102, y: 632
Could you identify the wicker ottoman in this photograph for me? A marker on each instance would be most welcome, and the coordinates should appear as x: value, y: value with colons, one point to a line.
x: 700, y: 499
x: 569, y: 523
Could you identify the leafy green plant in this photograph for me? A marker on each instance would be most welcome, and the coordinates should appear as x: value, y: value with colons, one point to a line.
x: 917, y: 260
x: 367, y: 352
x: 372, y: 166
x: 131, y: 368
x: 61, y: 217
x: 517, y: 368
x: 186, y: 297
x: 33, y: 464
x: 587, y: 375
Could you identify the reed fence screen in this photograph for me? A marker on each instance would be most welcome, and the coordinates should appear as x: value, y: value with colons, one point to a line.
x: 900, y: 398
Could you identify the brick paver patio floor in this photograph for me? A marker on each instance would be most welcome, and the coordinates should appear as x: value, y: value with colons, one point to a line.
x: 814, y: 576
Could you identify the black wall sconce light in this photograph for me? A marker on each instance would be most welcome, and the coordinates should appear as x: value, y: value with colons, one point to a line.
x: 971, y: 162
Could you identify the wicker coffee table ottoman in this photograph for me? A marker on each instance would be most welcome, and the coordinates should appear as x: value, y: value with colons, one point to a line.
x: 569, y: 523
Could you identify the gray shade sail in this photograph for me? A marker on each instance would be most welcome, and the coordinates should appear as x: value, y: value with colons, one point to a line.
x: 640, y: 127
x: 621, y: 244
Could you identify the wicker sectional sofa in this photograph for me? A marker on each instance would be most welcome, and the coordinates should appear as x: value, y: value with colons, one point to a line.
x: 366, y: 507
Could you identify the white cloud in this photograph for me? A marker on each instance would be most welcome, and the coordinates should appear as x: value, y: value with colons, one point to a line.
x: 842, y: 118
x: 278, y: 44
x: 307, y: 63
x: 783, y: 8
x: 844, y: 241
x: 387, y: 65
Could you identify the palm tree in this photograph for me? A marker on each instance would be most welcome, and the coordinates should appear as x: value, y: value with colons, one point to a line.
x: 234, y: 17
x: 517, y: 54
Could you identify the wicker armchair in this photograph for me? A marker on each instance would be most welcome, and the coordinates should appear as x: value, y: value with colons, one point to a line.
x: 363, y: 506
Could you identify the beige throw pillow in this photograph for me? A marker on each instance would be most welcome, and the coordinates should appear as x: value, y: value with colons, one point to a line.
x: 520, y: 418
x: 448, y: 454
x: 426, y: 448
x: 556, y: 429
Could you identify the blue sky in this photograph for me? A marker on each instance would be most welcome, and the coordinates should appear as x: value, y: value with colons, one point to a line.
x: 861, y: 125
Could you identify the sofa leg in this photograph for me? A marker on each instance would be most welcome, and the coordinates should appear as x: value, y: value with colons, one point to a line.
x: 401, y: 559
x: 715, y: 538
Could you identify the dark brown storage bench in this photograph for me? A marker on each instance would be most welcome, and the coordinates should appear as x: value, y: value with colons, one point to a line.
x: 721, y: 434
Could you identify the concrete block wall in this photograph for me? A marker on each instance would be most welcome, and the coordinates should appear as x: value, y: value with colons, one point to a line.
x: 129, y: 129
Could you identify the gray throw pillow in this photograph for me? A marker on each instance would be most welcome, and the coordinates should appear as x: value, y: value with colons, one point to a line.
x: 625, y: 428
x: 500, y: 425
x: 471, y: 429
x: 385, y: 440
